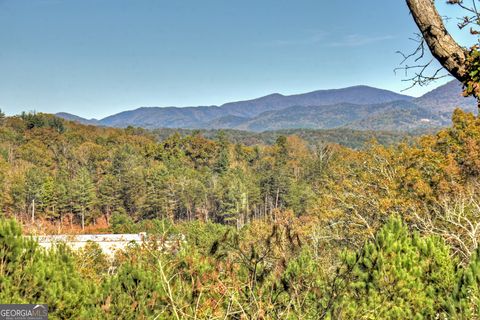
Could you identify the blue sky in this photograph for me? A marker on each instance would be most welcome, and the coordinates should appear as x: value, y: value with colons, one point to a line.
x: 94, y: 58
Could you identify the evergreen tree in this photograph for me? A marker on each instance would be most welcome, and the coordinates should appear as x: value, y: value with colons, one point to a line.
x: 3, y: 184
x: 33, y: 120
x: 17, y: 193
x: 464, y: 303
x: 2, y: 117
x: 300, y: 198
x: 48, y: 199
x: 223, y: 161
x: 108, y: 195
x: 281, y: 152
x: 397, y: 276
x: 226, y: 195
x: 34, y: 180
x: 65, y: 197
x: 30, y: 274
x: 56, y: 124
x: 84, y: 196
x: 156, y: 202
x: 127, y: 168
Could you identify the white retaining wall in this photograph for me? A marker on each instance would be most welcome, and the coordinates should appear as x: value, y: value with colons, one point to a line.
x: 109, y: 243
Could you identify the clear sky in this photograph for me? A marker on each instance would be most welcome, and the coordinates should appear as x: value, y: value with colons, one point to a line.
x: 94, y: 58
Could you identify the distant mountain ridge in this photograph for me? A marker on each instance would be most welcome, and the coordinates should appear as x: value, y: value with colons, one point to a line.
x: 358, y: 107
x: 356, y: 94
x: 72, y: 117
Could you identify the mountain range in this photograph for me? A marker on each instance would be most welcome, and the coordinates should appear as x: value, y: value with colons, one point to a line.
x: 358, y: 107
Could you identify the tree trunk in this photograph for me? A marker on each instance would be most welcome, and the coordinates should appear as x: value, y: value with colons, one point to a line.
x: 442, y: 46
x: 33, y: 211
x: 107, y: 216
x: 276, y: 198
x: 83, y: 219
x: 265, y: 211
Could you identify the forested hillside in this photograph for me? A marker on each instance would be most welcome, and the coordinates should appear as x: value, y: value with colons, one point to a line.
x: 60, y: 171
x: 289, y: 230
x: 355, y: 139
x: 57, y: 171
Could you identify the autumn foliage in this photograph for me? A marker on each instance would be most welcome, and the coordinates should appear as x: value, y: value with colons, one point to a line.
x: 283, y: 231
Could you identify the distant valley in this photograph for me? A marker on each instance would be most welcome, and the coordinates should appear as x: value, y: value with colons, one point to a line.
x: 358, y: 108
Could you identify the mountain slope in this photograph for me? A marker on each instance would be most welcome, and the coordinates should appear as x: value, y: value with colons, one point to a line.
x: 170, y: 117
x: 232, y: 114
x: 72, y: 117
x: 444, y: 99
x: 397, y: 115
x: 356, y: 94
x: 314, y: 117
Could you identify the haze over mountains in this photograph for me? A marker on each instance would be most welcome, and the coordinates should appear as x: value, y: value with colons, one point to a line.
x: 359, y: 107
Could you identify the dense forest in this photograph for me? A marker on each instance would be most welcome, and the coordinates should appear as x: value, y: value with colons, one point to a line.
x: 289, y: 230
x: 60, y: 171
x: 355, y: 139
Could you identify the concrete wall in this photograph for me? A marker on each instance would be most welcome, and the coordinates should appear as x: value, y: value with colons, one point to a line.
x: 109, y: 243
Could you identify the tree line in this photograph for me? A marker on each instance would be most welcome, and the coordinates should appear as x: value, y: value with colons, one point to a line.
x: 63, y: 172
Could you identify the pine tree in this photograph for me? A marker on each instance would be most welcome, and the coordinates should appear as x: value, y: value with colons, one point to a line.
x: 2, y: 117
x: 108, y: 195
x: 34, y: 180
x: 397, y: 276
x: 65, y: 196
x: 3, y: 185
x: 57, y: 124
x: 84, y: 196
x: 223, y: 161
x: 48, y: 199
x: 127, y: 168
x: 30, y: 274
x: 155, y: 203
x: 226, y: 194
x: 464, y: 303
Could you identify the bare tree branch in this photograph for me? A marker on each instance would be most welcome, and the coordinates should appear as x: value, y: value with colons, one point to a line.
x: 441, y: 44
